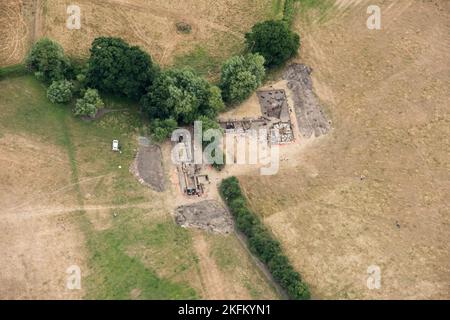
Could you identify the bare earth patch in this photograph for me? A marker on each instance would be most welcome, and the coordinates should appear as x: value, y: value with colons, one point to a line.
x: 311, y: 118
x: 148, y: 167
x: 208, y: 215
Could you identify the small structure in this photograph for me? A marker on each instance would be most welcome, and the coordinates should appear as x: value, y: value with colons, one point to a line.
x: 192, y: 182
x: 115, y: 145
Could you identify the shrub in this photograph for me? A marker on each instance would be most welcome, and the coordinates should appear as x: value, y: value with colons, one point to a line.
x: 162, y: 129
x: 181, y: 95
x: 261, y: 241
x: 274, y: 41
x: 215, y: 103
x: 183, y: 27
x: 117, y: 68
x: 46, y: 59
x: 240, y: 76
x: 89, y: 104
x: 230, y: 189
x: 60, y: 91
x: 13, y: 71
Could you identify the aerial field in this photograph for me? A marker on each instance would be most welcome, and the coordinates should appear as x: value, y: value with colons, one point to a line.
x: 66, y: 200
x: 371, y: 192
x: 374, y: 191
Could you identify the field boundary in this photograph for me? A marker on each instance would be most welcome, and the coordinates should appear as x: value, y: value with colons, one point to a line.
x: 261, y: 241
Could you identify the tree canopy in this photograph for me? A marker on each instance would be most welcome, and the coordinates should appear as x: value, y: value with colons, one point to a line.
x: 60, y: 91
x: 274, y: 41
x: 116, y: 67
x: 89, y: 104
x: 183, y: 96
x: 47, y: 60
x: 162, y: 129
x: 240, y: 76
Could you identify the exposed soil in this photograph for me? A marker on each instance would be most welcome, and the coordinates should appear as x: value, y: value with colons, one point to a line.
x: 148, y: 167
x: 208, y: 215
x: 310, y: 115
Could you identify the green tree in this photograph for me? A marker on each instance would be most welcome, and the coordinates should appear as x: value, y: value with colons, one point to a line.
x: 215, y: 103
x: 208, y: 123
x: 60, y: 91
x: 240, y: 76
x: 274, y: 41
x: 47, y: 60
x: 181, y: 95
x: 89, y: 104
x: 116, y: 67
x: 162, y: 129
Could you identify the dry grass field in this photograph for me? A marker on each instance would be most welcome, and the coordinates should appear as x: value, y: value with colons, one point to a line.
x: 375, y: 191
x: 14, y: 31
x: 217, y: 29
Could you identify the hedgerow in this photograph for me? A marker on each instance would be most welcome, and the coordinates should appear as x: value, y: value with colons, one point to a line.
x: 289, y: 11
x: 261, y: 242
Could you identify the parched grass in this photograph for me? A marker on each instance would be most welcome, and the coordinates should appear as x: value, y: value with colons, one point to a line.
x: 315, y: 10
x: 230, y: 256
x: 277, y: 8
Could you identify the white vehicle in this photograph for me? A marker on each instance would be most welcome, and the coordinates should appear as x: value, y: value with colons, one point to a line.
x: 115, y: 145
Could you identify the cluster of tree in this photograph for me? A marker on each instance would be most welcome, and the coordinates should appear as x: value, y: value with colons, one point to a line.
x: 49, y: 64
x: 274, y: 41
x: 261, y: 241
x: 181, y: 96
x: 171, y: 97
x: 162, y: 129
